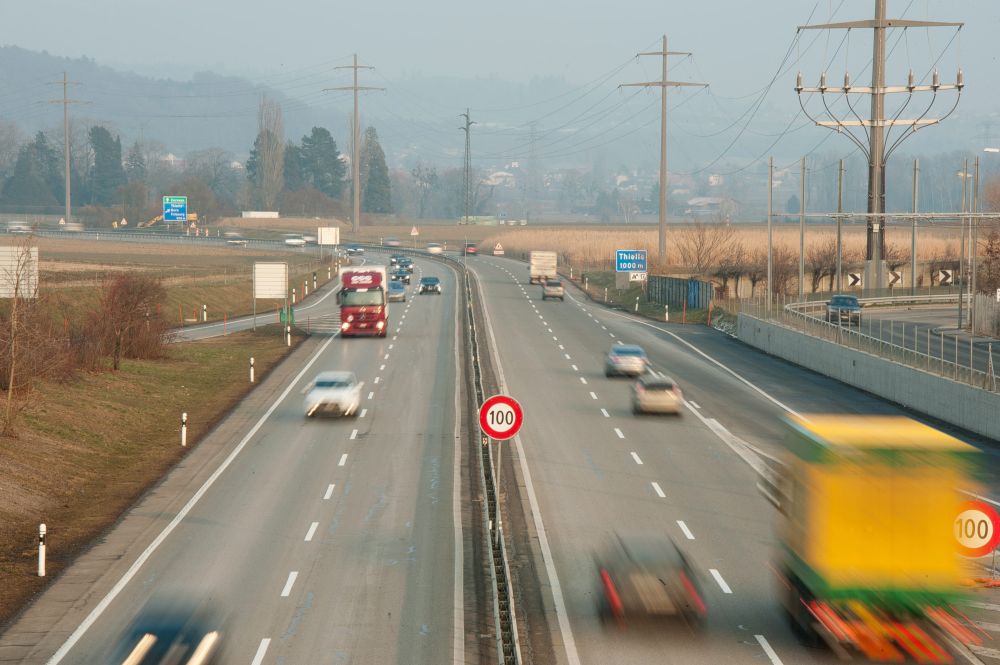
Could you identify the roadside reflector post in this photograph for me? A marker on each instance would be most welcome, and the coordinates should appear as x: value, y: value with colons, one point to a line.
x: 288, y: 335
x: 684, y: 312
x: 637, y: 304
x: 251, y: 369
x: 293, y: 295
x: 41, y: 550
x: 184, y: 430
x: 204, y: 313
x: 605, y: 294
x: 586, y: 285
x: 329, y: 271
x: 571, y: 273
x: 225, y: 323
x: 314, y: 280
x: 305, y: 289
x: 666, y: 312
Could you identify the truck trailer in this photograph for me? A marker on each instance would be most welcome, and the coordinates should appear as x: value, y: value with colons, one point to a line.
x: 542, y: 266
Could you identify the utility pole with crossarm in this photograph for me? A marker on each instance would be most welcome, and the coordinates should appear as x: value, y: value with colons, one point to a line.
x: 663, y: 84
x: 873, y: 129
x: 356, y: 148
x: 467, y: 169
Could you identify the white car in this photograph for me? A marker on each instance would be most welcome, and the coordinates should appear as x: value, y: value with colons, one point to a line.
x: 337, y: 393
x: 434, y: 248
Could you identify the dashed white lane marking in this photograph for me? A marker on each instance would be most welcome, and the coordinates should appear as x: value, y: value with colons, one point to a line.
x: 288, y: 584
x: 555, y: 339
x: 377, y: 378
x: 983, y: 606
x: 354, y: 435
x: 381, y: 368
x: 768, y: 650
x: 390, y: 346
x: 575, y: 368
x: 261, y: 651
x: 593, y: 395
x: 312, y: 531
x: 363, y: 413
x: 619, y: 433
x: 567, y: 356
x: 635, y: 456
x: 541, y: 317
x: 550, y: 330
x: 611, y: 335
x: 386, y: 357
x: 605, y: 413
x: 583, y: 380
x: 329, y: 491
x: 718, y: 578
x: 371, y: 395
x: 695, y: 405
x: 603, y: 328
x: 562, y: 348
x: 658, y: 490
x: 685, y: 529
x: 991, y: 627
x: 343, y: 460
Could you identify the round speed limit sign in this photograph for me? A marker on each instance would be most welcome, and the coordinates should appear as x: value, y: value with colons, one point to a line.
x: 500, y: 417
x: 977, y: 529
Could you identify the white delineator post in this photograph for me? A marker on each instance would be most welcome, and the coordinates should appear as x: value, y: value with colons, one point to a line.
x: 637, y: 304
x: 288, y: 335
x: 293, y: 295
x: 41, y: 550
x: 204, y: 313
x: 251, y: 369
x: 184, y: 429
x: 666, y: 312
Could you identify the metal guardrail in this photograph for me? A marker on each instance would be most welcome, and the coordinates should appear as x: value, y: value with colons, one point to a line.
x: 928, y: 350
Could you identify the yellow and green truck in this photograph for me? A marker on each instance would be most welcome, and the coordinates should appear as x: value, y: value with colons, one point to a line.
x: 867, y: 556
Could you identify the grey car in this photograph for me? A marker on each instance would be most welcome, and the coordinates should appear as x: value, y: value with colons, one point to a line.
x: 397, y: 292
x: 844, y: 308
x: 625, y: 360
x: 553, y: 288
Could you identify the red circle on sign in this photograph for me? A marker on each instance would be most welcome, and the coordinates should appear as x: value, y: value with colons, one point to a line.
x: 977, y: 529
x: 500, y: 417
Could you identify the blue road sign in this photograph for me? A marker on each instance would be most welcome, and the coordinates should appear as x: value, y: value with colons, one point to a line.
x: 175, y: 208
x: 630, y: 260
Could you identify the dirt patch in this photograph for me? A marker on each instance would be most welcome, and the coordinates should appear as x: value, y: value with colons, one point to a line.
x: 86, y: 450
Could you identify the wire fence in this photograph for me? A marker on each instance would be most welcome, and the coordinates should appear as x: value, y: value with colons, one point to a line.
x: 925, y: 347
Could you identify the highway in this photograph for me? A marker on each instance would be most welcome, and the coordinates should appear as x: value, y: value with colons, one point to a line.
x: 595, y: 468
x: 337, y: 540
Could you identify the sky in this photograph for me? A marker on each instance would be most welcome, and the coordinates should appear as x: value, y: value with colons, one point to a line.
x: 737, y: 43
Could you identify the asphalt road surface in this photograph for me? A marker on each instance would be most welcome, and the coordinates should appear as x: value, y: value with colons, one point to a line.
x: 596, y: 468
x: 333, y: 541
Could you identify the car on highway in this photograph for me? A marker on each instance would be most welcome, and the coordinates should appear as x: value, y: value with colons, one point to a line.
x: 354, y: 250
x: 471, y: 249
x: 625, y: 360
x: 333, y: 393
x: 171, y: 632
x: 656, y: 393
x: 391, y: 242
x: 647, y: 578
x: 397, y: 292
x: 400, y: 275
x: 394, y: 259
x: 18, y: 227
x: 405, y: 262
x: 430, y: 285
x: 553, y: 288
x: 294, y: 240
x: 434, y: 248
x: 843, y: 308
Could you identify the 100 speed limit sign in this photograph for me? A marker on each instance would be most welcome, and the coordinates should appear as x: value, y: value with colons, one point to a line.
x: 500, y: 417
x: 977, y: 529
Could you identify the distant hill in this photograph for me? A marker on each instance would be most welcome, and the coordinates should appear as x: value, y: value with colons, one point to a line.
x: 206, y: 111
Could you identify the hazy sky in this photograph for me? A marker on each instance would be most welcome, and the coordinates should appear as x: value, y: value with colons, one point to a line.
x: 737, y: 43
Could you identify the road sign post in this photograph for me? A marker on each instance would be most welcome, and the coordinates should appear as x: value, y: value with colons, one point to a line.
x: 977, y: 529
x: 500, y: 418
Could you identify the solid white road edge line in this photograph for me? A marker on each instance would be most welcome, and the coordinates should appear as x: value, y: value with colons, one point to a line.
x: 768, y: 650
x: 288, y: 584
x: 312, y: 531
x: 181, y: 514
x: 685, y: 529
x: 569, y: 644
x: 718, y: 578
x: 261, y: 651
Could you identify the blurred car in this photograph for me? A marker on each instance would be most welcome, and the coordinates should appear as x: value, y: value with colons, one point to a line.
x: 394, y: 259
x: 73, y: 227
x: 18, y: 227
x: 391, y: 242
x: 434, y: 248
x: 471, y: 249
x: 397, y: 292
x: 310, y: 239
x: 430, y: 285
x: 405, y: 262
x: 400, y: 275
x: 295, y: 241
x: 647, y: 578
x: 656, y: 393
x: 553, y: 288
x: 337, y: 393
x: 843, y: 308
x: 625, y: 359
x: 353, y: 250
x: 171, y: 632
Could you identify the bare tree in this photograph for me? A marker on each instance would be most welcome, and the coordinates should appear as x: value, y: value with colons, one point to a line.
x: 627, y: 205
x: 700, y: 245
x: 128, y: 318
x: 733, y: 264
x: 757, y: 268
x: 822, y: 259
x: 19, y: 284
x: 784, y: 268
x: 270, y: 152
x: 895, y: 256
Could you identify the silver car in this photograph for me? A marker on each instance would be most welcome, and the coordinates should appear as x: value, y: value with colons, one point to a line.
x: 553, y: 288
x: 336, y: 393
x: 625, y: 359
x: 656, y: 393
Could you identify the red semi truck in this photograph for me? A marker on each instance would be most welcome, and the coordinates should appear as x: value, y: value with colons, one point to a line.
x: 364, y: 307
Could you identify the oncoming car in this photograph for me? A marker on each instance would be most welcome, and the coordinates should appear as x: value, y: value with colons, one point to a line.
x: 625, y: 359
x: 333, y: 393
x: 400, y: 275
x: 397, y: 292
x: 434, y: 248
x: 430, y: 285
x: 656, y: 393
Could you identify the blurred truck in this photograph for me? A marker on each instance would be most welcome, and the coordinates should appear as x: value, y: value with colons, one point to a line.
x: 364, y: 306
x: 868, y: 560
x: 542, y: 266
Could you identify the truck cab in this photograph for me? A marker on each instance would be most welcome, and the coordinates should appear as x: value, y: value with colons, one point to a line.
x: 364, y: 305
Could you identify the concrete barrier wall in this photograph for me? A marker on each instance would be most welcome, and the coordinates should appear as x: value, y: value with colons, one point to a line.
x: 949, y: 401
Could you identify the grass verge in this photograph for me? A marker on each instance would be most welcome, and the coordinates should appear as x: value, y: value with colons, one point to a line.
x: 87, y: 449
x: 597, y: 284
